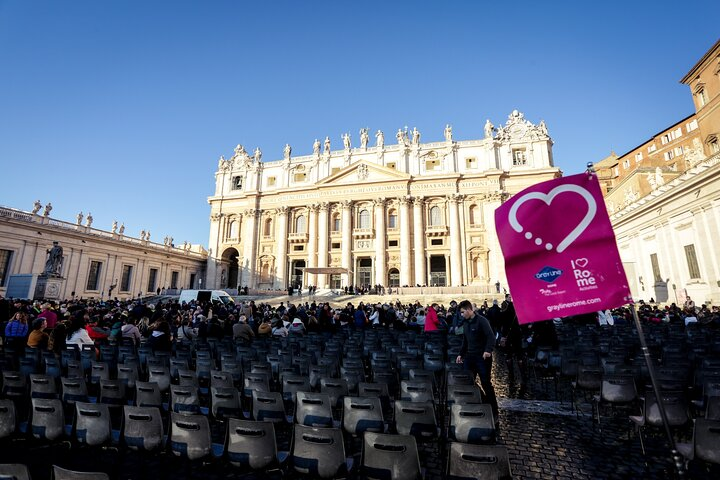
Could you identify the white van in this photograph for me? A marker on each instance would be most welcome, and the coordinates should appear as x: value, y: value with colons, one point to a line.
x: 205, y: 296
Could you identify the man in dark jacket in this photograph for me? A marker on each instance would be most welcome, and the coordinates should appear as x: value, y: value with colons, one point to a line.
x: 477, y: 348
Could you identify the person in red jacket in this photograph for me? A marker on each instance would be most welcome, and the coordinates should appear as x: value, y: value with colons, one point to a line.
x: 432, y: 323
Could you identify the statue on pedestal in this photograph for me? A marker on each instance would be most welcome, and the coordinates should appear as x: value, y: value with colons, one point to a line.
x: 48, y: 209
x: 316, y: 147
x: 448, y: 133
x: 88, y: 220
x: 114, y: 226
x: 53, y: 264
x: 327, y: 145
x: 364, y: 137
x: 258, y: 155
x: 659, y: 179
x: 147, y: 236
x: 36, y: 207
x: 380, y: 139
x: 346, y: 141
x: 122, y: 229
x: 489, y: 128
x: 79, y: 219
x: 415, y: 136
x: 287, y: 151
x: 142, y: 235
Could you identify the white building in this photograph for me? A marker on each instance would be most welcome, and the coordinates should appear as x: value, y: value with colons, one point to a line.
x: 94, y: 259
x: 397, y: 213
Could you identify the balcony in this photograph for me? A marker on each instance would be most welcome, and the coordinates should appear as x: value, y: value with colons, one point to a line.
x: 436, y: 230
x: 363, y: 233
x: 298, y: 237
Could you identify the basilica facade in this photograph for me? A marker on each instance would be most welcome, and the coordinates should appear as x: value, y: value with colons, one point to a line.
x: 401, y: 213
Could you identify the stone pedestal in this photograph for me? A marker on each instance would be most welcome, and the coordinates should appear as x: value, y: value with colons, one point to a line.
x: 48, y: 288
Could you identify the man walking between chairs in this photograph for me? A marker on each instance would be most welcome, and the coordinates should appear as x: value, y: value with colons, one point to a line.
x: 477, y: 348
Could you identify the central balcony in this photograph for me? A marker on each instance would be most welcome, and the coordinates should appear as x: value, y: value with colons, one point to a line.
x: 436, y: 230
x: 298, y: 237
x: 363, y: 232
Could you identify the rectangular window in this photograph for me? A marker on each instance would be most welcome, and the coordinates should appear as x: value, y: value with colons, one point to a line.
x: 677, y: 133
x: 271, y: 181
x: 126, y: 283
x: 669, y: 155
x: 299, y: 248
x: 393, y: 243
x: 665, y: 139
x: 638, y: 156
x: 471, y: 163
x: 152, y: 280
x: 689, y: 127
x: 335, y: 246
x: 237, y: 183
x: 626, y: 164
x: 431, y: 165
x: 678, y: 151
x: 93, y: 276
x: 436, y: 241
x: 519, y: 156
x: 391, y: 165
x: 693, y: 267
x: 192, y: 280
x: 174, y: 279
x: 702, y: 97
x: 652, y: 148
x: 300, y: 177
x: 655, y: 267
x: 5, y: 256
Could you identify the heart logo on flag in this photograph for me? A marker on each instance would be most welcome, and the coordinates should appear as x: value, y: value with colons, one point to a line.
x: 547, y: 198
x: 581, y: 262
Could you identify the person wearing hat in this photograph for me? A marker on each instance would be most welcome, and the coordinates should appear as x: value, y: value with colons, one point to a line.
x: 38, y: 338
x: 242, y: 332
x: 297, y: 327
x: 265, y: 328
x: 48, y: 314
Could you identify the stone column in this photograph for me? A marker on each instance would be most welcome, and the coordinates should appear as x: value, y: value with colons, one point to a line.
x: 250, y: 248
x: 282, y: 239
x: 419, y: 241
x: 380, y: 241
x: 323, y: 250
x: 455, y: 241
x: 405, y: 247
x: 312, y: 243
x: 346, y: 238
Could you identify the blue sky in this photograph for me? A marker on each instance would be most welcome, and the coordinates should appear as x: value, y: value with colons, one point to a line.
x: 122, y: 108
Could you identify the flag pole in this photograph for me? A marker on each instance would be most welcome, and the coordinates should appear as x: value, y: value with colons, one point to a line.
x: 677, y: 459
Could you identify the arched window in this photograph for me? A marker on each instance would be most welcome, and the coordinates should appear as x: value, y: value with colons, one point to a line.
x: 300, y: 224
x: 392, y: 219
x: 336, y: 222
x: 233, y: 229
x: 475, y: 218
x: 364, y: 219
x: 435, y: 218
x: 268, y: 228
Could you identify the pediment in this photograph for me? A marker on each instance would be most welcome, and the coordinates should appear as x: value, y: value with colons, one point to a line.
x: 364, y: 172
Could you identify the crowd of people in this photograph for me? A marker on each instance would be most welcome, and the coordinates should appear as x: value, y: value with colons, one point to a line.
x: 484, y: 326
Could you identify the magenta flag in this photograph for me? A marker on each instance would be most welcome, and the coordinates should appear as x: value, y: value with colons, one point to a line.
x: 560, y: 253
